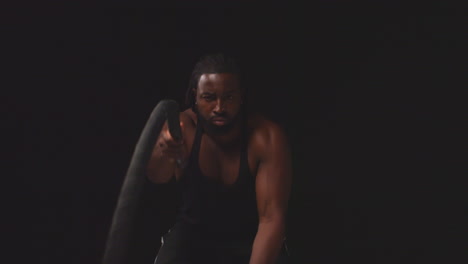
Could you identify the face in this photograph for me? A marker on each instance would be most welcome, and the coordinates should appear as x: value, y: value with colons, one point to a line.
x: 219, y: 100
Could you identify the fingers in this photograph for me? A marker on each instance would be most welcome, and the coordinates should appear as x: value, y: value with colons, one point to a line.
x: 168, y: 145
x: 170, y: 148
x: 170, y: 140
x: 168, y: 137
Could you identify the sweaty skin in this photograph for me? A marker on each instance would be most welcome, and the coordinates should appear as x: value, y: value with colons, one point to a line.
x: 219, y: 103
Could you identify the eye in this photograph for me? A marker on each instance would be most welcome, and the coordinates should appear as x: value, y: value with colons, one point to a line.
x: 208, y: 97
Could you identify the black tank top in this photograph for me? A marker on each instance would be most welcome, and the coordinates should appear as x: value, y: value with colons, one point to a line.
x: 219, y: 211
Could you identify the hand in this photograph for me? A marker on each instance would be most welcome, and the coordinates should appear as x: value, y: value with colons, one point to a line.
x: 171, y: 148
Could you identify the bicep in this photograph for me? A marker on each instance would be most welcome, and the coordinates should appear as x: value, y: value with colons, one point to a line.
x: 274, y: 176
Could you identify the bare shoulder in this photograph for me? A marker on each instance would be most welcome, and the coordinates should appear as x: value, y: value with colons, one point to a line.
x: 266, y: 134
x: 188, y: 117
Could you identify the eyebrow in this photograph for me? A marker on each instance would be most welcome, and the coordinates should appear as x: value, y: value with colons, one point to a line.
x: 232, y: 91
x: 227, y: 92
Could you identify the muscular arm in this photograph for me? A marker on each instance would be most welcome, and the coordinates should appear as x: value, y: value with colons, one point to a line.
x: 273, y: 187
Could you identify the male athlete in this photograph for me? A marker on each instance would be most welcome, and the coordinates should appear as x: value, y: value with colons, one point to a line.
x: 234, y: 172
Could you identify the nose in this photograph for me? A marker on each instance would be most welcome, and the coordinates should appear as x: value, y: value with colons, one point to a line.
x: 219, y: 107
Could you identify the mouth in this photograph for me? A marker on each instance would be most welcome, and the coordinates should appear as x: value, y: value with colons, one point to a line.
x: 219, y: 121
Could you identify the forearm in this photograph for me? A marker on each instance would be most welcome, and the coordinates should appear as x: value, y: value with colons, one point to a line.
x: 268, y: 242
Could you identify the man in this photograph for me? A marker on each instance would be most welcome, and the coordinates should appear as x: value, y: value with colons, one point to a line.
x: 234, y: 172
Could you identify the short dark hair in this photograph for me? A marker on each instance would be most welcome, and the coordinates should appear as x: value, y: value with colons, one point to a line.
x: 211, y: 63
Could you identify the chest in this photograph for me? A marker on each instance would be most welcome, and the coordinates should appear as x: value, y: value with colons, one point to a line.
x: 225, y: 165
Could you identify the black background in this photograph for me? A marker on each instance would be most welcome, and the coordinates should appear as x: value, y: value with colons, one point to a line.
x: 368, y: 94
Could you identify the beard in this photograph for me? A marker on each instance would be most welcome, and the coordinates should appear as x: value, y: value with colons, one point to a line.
x: 219, y: 130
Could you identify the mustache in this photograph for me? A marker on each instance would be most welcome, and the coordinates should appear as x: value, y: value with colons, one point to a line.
x: 223, y: 115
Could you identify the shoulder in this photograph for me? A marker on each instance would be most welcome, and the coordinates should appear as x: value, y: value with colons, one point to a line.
x: 266, y: 135
x: 189, y: 121
x: 188, y: 117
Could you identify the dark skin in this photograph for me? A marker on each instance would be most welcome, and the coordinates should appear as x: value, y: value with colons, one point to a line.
x: 219, y: 101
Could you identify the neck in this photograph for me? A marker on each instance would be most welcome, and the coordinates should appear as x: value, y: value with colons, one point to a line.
x: 228, y: 140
